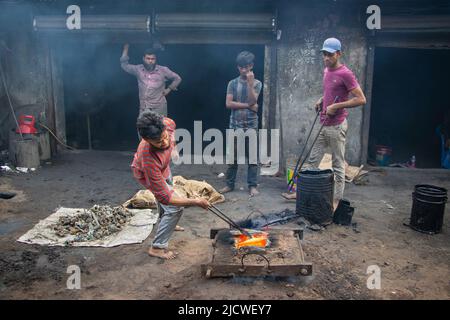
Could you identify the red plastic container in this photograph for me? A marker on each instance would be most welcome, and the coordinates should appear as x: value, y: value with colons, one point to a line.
x: 26, y: 124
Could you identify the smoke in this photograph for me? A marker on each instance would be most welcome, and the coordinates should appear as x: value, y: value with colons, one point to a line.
x: 87, y: 78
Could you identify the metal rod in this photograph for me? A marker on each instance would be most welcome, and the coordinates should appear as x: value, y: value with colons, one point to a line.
x: 295, y: 174
x: 225, y: 218
x: 228, y: 220
x: 221, y: 217
x: 303, y: 150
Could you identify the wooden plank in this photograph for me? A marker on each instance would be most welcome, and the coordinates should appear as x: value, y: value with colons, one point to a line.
x: 58, y: 97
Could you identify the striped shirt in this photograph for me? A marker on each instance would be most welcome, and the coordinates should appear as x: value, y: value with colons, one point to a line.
x: 242, y: 118
x: 151, y: 166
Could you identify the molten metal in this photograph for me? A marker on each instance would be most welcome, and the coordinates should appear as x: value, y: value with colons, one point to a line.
x: 258, y: 239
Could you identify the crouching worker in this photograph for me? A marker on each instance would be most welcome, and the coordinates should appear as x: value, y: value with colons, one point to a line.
x: 151, y: 168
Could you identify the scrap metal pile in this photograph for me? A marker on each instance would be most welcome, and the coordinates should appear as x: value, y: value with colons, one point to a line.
x: 95, y: 223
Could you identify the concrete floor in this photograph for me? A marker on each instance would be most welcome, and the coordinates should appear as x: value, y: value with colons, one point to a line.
x: 413, y: 265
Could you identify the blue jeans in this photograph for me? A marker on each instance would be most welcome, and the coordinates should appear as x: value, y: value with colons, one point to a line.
x: 169, y: 217
x: 252, y: 169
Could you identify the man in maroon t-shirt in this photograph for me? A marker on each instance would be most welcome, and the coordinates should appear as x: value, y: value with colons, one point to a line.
x: 338, y: 83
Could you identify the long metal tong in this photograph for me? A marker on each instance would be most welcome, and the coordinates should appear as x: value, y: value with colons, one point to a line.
x: 297, y: 168
x: 228, y: 220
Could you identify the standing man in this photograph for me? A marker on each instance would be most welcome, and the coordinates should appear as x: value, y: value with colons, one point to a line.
x: 151, y: 168
x: 242, y: 99
x: 151, y: 79
x: 338, y: 83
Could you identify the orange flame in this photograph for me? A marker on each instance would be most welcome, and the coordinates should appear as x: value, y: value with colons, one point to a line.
x: 258, y: 239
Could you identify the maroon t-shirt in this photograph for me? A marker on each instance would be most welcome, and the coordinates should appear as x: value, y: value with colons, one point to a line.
x: 336, y: 83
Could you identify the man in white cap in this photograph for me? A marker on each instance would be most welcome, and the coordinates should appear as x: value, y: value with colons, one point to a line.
x: 339, y: 83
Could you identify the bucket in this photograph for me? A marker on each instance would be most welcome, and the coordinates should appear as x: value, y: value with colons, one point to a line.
x: 315, y: 201
x: 383, y: 156
x: 427, y: 213
x: 343, y: 213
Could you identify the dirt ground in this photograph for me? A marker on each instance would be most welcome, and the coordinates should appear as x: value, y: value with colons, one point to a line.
x: 413, y: 265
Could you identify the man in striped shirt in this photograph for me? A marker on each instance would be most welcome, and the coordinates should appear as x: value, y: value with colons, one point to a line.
x: 151, y: 168
x: 242, y: 99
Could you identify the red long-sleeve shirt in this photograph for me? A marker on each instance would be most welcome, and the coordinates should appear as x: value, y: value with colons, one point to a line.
x: 151, y: 165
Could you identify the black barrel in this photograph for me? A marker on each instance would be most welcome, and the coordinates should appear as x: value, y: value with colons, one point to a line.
x: 427, y: 213
x: 315, y: 189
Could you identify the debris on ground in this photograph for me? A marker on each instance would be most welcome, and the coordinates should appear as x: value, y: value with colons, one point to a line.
x: 315, y: 227
x: 95, y: 223
x: 25, y: 170
x: 362, y: 180
x: 355, y: 227
x: 352, y: 173
x: 77, y: 227
x: 388, y: 205
x: 6, y: 169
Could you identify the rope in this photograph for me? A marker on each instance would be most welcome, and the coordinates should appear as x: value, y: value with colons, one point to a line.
x: 57, y: 139
x: 14, y: 113
x: 9, y: 99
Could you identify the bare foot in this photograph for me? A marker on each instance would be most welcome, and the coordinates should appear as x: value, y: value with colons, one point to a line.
x: 225, y: 190
x: 161, y: 253
x: 253, y: 192
x: 289, y: 196
x: 178, y: 228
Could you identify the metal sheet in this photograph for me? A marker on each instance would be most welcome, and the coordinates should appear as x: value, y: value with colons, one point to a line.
x: 94, y: 23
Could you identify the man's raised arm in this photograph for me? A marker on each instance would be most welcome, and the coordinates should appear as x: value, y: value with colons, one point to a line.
x: 131, y: 69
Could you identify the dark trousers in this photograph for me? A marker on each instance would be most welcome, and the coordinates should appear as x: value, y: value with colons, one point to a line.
x: 252, y: 169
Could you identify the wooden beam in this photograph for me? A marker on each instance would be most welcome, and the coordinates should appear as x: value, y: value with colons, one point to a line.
x: 50, y: 108
x: 365, y: 130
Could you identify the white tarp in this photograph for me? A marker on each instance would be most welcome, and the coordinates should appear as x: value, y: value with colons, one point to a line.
x: 135, y: 231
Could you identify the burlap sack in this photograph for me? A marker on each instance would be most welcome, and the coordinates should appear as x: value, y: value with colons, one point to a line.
x: 184, y: 188
x: 143, y: 199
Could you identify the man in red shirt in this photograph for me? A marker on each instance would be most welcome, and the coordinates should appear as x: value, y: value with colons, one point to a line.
x: 151, y: 168
x: 341, y: 91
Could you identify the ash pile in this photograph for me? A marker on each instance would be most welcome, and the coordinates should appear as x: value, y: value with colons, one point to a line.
x: 95, y: 223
